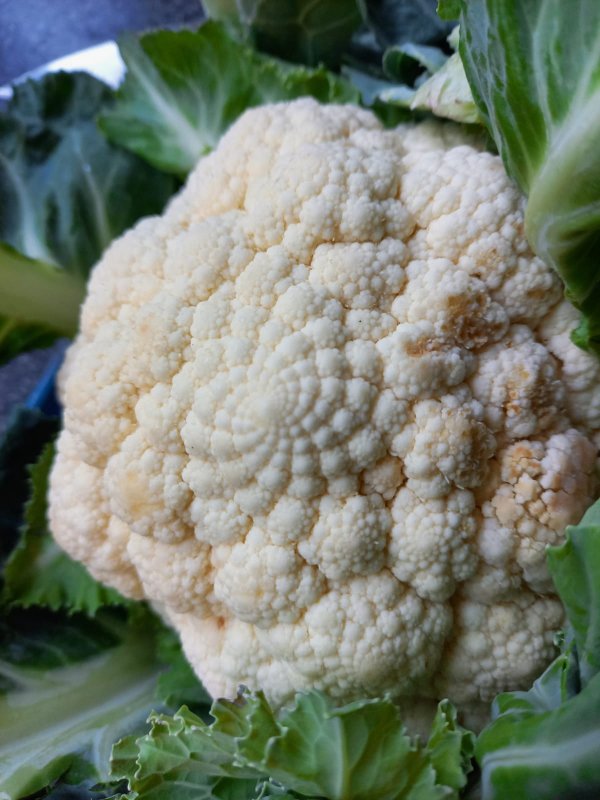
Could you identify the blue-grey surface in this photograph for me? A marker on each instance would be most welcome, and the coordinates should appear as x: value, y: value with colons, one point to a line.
x: 33, y: 32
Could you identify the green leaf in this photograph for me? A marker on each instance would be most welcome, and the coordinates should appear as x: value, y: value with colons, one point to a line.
x: 399, y: 61
x: 399, y: 21
x: 297, y: 30
x: 575, y: 568
x: 534, y: 69
x: 314, y: 749
x: 65, y: 193
x: 72, y: 687
x: 28, y: 431
x: 183, y: 89
x: 421, y: 78
x: 557, y: 684
x: 360, y: 750
x: 38, y: 572
x: 545, y: 742
x: 548, y: 755
x: 178, y: 758
x: 451, y: 747
x: 445, y: 94
x: 448, y: 9
x: 37, y: 299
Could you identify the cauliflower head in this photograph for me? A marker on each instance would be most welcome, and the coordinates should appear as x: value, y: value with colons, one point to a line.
x: 326, y: 414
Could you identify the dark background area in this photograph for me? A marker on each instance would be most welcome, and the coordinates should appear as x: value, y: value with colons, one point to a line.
x: 33, y: 32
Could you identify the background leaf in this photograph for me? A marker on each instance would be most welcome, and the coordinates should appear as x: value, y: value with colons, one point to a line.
x: 67, y: 702
x: 545, y: 743
x: 313, y: 749
x: 65, y: 193
x: 27, y: 433
x: 302, y: 31
x: 548, y: 755
x: 399, y: 21
x: 575, y: 569
x: 534, y: 69
x: 183, y: 89
x: 38, y: 572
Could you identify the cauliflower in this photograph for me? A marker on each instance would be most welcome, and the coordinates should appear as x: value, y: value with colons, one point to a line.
x: 326, y: 415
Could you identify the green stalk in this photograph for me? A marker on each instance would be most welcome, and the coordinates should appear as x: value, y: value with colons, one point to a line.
x: 36, y: 292
x: 80, y: 708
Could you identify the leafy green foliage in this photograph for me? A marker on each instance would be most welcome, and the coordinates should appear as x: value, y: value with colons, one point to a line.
x: 546, y: 755
x: 314, y: 749
x: 297, y: 30
x: 183, y: 89
x: 397, y: 22
x: 38, y: 291
x: 534, y: 69
x: 70, y: 684
x: 545, y: 743
x: 27, y: 433
x: 405, y: 63
x: 65, y: 193
x: 451, y: 747
x: 38, y: 572
x: 448, y: 9
x: 440, y: 87
x: 60, y: 707
x: 575, y: 567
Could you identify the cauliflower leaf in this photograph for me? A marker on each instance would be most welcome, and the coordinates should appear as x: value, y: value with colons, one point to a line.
x: 27, y: 433
x: 38, y: 303
x: 534, y: 69
x: 396, y: 22
x: 441, y: 89
x: 543, y: 754
x: 183, y: 89
x: 544, y: 743
x: 313, y: 749
x: 65, y: 193
x: 304, y: 31
x: 38, y: 572
x: 70, y: 686
x: 575, y: 567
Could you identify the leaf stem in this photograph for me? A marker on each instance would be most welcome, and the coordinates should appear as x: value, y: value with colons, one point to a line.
x: 33, y: 291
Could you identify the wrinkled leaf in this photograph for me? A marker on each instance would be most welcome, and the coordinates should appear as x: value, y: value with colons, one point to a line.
x: 451, y: 747
x: 38, y: 572
x: 314, y: 749
x: 183, y: 89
